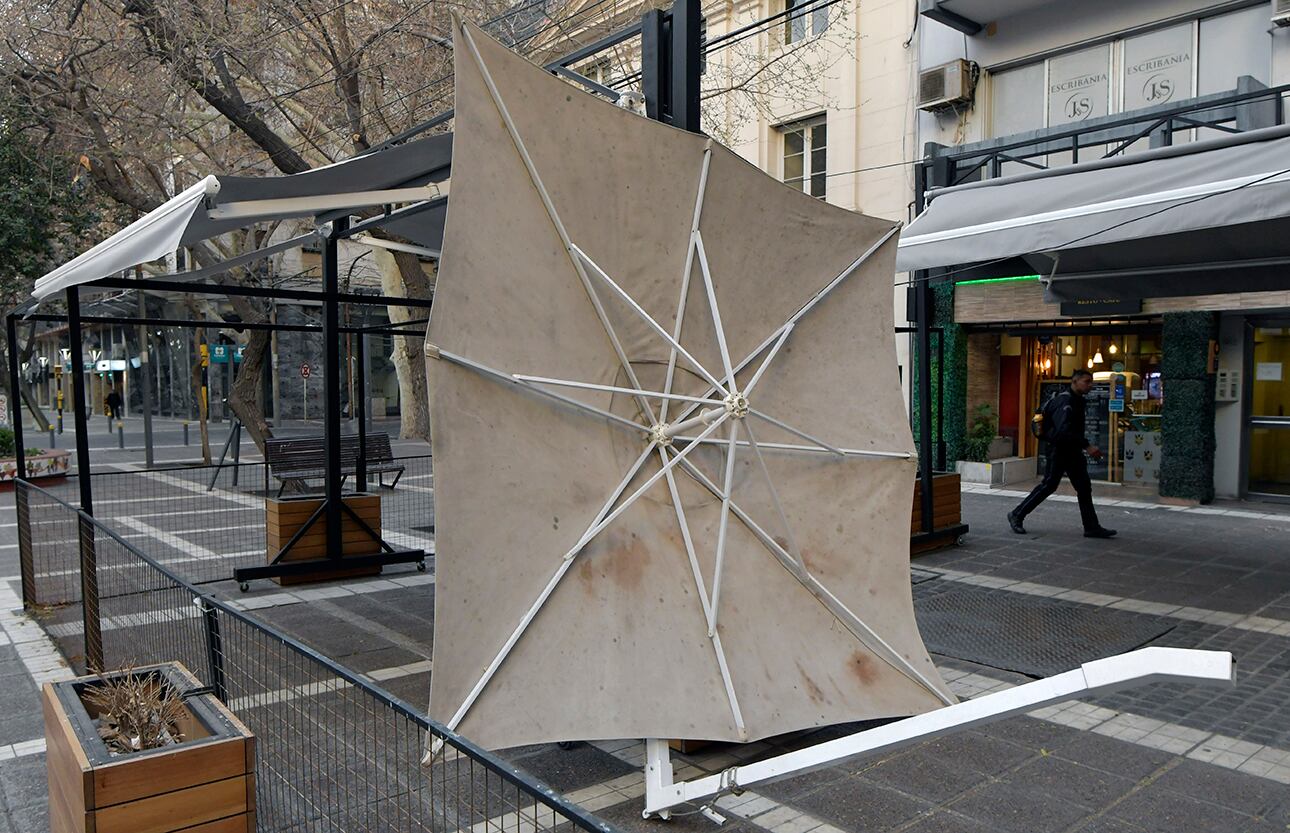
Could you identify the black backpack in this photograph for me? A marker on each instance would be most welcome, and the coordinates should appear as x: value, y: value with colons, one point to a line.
x: 1042, y: 422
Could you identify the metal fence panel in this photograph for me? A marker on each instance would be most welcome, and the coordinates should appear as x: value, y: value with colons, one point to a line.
x: 334, y: 751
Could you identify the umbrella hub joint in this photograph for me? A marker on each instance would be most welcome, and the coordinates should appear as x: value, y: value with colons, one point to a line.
x: 737, y: 405
x: 659, y: 434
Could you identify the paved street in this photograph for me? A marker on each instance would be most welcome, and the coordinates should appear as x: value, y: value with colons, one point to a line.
x: 1165, y: 758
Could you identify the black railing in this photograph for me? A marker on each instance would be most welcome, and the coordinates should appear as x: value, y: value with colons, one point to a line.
x: 1250, y: 106
x: 334, y: 751
x: 202, y: 522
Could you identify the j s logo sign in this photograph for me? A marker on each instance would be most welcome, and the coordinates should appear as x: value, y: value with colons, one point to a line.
x: 1078, y: 107
x: 1158, y: 89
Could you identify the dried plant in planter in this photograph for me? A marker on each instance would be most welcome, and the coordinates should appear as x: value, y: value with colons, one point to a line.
x: 135, y: 711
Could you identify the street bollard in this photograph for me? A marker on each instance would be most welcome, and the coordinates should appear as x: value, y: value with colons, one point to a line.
x: 185, y: 433
x: 120, y: 434
x: 60, y: 421
x: 52, y: 443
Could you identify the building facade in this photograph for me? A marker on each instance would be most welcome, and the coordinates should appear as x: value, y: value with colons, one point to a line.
x: 1192, y: 391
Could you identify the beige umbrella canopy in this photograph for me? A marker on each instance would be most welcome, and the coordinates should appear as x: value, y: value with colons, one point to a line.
x: 672, y: 465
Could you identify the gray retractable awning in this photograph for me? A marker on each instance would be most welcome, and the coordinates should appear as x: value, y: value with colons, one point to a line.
x: 220, y: 204
x: 1191, y: 219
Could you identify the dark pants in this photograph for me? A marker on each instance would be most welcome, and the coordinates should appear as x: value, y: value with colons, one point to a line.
x: 114, y: 411
x: 1070, y: 463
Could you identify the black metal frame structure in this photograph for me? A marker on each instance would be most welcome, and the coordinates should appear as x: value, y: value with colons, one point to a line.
x: 332, y: 509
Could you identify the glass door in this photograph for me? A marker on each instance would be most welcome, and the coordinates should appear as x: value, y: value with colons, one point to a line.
x: 1269, y: 425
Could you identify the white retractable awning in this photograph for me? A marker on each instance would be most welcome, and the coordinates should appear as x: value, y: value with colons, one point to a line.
x: 219, y: 204
x: 1164, y: 222
x: 154, y: 235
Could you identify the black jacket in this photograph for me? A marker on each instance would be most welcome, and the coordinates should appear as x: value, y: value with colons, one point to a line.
x: 1065, y: 428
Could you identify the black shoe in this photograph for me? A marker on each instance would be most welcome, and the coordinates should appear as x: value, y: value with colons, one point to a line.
x: 1015, y: 523
x: 1099, y: 532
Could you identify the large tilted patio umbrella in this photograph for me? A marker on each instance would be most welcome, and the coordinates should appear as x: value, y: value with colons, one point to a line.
x: 673, y: 468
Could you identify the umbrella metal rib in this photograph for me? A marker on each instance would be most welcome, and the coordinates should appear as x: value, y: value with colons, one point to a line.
x: 597, y: 526
x: 685, y: 275
x: 724, y: 524
x: 716, y: 311
x: 554, y: 216
x: 508, y: 378
x: 647, y: 318
x: 847, y: 452
x: 840, y: 611
x: 774, y: 496
x: 808, y: 306
x: 790, y: 429
x: 568, y: 383
x: 702, y: 593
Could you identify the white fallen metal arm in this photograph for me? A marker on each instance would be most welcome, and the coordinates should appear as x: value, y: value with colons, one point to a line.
x: 1136, y: 668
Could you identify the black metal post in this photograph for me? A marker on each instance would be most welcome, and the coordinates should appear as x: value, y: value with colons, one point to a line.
x: 89, y: 555
x: 15, y: 398
x: 145, y: 382
x: 922, y: 323
x: 687, y: 59
x: 920, y: 295
x: 331, y: 388
x: 655, y: 47
x: 79, y: 402
x: 214, y: 651
x: 360, y: 407
x: 940, y: 399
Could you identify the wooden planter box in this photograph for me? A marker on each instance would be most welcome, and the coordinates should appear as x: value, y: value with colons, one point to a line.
x: 947, y: 502
x: 285, y: 516
x: 205, y: 784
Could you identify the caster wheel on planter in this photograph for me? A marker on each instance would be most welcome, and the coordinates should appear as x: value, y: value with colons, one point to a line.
x: 421, y: 566
x: 566, y: 745
x: 244, y: 587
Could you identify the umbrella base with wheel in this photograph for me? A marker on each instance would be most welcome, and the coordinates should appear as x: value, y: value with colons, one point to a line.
x: 1146, y: 665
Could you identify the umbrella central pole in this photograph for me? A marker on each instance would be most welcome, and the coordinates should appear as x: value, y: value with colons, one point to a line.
x: 736, y: 407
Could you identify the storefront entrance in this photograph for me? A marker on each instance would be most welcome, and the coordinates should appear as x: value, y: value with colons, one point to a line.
x: 1123, y: 415
x: 1268, y: 461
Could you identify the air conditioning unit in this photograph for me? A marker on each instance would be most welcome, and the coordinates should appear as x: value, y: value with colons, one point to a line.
x: 949, y: 85
x: 1281, y: 12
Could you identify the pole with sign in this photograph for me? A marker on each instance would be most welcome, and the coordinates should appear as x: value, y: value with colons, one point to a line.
x: 304, y: 388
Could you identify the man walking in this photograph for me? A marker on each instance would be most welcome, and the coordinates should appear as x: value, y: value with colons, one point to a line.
x: 1063, y: 429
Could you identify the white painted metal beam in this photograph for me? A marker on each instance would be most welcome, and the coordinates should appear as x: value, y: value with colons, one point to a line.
x: 1136, y: 668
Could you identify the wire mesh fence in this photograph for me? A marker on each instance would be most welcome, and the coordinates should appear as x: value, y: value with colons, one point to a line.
x: 334, y: 752
x: 202, y: 522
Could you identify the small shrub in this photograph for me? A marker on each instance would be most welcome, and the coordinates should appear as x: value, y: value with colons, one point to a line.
x: 135, y: 711
x: 7, y: 446
x: 982, y: 432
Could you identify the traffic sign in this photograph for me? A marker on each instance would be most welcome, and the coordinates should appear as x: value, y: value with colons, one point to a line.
x: 305, y: 369
x: 1115, y: 405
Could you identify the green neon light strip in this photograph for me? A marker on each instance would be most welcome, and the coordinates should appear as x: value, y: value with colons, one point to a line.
x: 1000, y: 280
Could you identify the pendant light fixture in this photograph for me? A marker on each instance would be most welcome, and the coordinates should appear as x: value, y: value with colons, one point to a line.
x: 1097, y: 358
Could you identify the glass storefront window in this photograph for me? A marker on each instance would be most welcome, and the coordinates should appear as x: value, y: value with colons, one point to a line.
x: 1079, y: 85
x: 1123, y: 415
x: 1158, y: 67
x: 1232, y: 45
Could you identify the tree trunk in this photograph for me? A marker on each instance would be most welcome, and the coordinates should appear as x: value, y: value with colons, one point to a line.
x: 24, y: 387
x: 244, y: 398
x: 402, y: 274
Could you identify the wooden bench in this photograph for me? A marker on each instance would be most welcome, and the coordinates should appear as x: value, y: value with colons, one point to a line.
x: 298, y: 459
